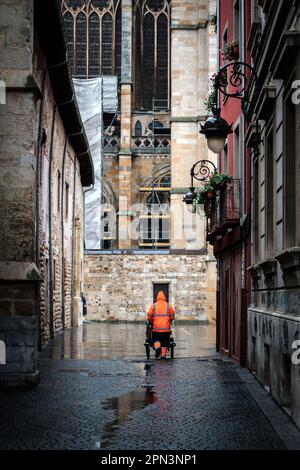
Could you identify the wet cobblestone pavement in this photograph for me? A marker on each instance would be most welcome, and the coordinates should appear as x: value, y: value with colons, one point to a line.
x: 115, y: 403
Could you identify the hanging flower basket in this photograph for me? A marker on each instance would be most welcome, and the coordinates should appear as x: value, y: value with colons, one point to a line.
x: 219, y: 180
x: 231, y: 51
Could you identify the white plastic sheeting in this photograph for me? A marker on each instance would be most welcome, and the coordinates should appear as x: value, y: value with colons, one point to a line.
x: 95, y: 96
x: 110, y: 94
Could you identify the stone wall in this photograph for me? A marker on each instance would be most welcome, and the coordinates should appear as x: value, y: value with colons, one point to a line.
x: 25, y: 257
x: 120, y: 287
x: 62, y: 189
x: 20, y: 337
x: 271, y: 346
x: 128, y: 291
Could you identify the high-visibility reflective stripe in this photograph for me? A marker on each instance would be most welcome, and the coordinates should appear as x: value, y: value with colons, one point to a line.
x: 161, y: 329
x: 164, y: 351
x: 161, y: 315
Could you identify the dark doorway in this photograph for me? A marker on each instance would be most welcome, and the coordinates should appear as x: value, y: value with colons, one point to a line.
x: 227, y: 327
x: 157, y: 288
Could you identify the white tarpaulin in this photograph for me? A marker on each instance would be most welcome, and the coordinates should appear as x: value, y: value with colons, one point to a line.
x: 95, y: 96
x: 89, y: 98
x: 110, y: 94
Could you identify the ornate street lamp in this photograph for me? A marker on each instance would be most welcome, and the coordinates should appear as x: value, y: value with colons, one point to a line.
x: 200, y: 171
x: 232, y: 82
x: 216, y: 130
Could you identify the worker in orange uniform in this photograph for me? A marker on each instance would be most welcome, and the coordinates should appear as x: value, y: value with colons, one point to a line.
x: 161, y: 314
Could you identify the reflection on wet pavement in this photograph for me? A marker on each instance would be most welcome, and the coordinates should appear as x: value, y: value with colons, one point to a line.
x: 123, y: 406
x: 94, y: 341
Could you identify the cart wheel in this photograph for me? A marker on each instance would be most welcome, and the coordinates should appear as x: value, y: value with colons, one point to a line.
x: 172, y: 352
x: 147, y: 346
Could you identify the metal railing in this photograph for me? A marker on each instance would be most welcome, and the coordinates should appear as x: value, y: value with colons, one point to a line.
x: 224, y: 211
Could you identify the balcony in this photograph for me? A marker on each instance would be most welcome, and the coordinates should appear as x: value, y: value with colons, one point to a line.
x: 158, y: 144
x: 111, y: 144
x: 224, y: 211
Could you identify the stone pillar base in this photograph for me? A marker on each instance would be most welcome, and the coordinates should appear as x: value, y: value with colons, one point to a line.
x: 18, y: 360
x: 17, y: 380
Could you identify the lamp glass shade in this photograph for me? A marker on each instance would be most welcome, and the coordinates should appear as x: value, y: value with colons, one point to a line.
x: 191, y: 208
x: 216, y: 144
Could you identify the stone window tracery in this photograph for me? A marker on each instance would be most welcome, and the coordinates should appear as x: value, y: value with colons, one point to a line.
x: 151, y: 20
x: 93, y: 33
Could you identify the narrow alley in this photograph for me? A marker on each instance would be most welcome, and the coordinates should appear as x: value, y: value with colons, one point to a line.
x: 98, y: 391
x: 149, y: 230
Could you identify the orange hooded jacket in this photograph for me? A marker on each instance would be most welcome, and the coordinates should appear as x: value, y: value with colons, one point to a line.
x: 161, y: 314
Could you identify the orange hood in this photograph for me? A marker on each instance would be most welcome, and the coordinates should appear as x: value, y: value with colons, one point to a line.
x: 161, y: 296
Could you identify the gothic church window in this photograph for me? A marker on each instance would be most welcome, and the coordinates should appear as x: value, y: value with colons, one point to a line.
x: 138, y: 129
x: 93, y: 32
x: 151, y: 53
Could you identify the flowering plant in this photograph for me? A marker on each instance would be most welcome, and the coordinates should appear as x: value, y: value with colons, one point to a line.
x: 218, y: 180
x: 231, y: 50
x: 210, y: 101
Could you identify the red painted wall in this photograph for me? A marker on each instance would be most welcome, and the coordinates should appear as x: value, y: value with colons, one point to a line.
x: 231, y: 256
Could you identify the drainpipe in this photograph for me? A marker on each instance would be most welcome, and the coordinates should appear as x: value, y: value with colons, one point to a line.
x: 37, y: 202
x: 73, y: 243
x: 84, y: 193
x: 63, y: 288
x: 51, y: 297
x: 244, y: 173
x: 38, y: 172
x: 218, y: 310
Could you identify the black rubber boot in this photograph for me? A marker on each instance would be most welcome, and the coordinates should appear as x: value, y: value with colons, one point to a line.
x: 157, y: 353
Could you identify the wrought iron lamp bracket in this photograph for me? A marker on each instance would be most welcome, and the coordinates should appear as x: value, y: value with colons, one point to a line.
x: 233, y: 81
x: 202, y: 170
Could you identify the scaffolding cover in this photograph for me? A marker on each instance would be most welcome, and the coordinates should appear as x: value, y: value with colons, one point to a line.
x: 89, y: 98
x: 110, y: 94
x: 95, y: 96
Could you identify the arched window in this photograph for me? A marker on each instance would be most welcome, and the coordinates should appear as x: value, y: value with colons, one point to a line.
x: 69, y: 29
x: 107, y: 59
x: 138, y: 129
x: 152, y: 53
x: 81, y: 45
x: 94, y: 45
x: 93, y: 32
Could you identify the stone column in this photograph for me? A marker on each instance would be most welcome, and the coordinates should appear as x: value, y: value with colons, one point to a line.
x: 125, y: 157
x: 19, y: 275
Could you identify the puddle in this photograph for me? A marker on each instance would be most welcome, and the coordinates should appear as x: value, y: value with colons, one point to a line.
x: 123, y: 406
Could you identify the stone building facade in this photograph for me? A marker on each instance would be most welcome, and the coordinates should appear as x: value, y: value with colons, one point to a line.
x: 45, y: 163
x: 273, y: 315
x: 163, y: 53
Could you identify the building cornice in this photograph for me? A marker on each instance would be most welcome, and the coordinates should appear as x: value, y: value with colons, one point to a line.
x: 179, y: 190
x: 202, y: 24
x: 198, y: 118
